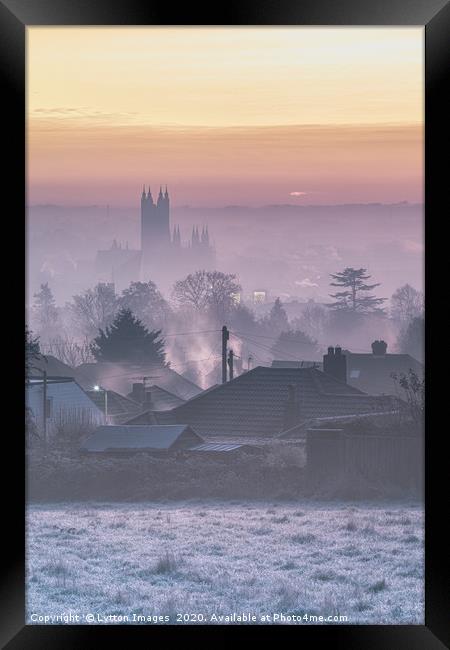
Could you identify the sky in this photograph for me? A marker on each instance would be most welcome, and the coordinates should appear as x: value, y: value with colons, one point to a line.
x: 225, y: 116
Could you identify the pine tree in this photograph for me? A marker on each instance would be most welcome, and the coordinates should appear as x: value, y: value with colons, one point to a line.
x: 355, y: 298
x: 45, y: 312
x: 278, y: 320
x: 128, y: 340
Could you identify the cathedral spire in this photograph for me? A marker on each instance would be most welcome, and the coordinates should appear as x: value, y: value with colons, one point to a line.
x: 166, y: 193
x: 149, y: 195
x: 143, y: 191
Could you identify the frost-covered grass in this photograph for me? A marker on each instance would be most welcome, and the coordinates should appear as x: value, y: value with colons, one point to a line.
x: 364, y: 561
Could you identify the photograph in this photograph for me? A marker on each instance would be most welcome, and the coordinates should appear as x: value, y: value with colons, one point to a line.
x: 225, y: 325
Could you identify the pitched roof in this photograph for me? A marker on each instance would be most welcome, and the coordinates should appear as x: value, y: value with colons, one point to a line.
x: 53, y: 366
x: 162, y: 400
x: 120, y: 377
x: 254, y: 404
x: 119, y: 407
x: 123, y: 437
x: 372, y: 372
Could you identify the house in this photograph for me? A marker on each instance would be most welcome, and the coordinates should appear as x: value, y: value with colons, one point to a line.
x: 120, y: 377
x: 67, y: 405
x: 52, y: 366
x: 118, y: 408
x: 267, y: 401
x: 124, y: 439
x: 154, y: 397
x: 371, y: 373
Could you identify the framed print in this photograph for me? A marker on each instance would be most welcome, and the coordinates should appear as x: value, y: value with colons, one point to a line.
x: 230, y: 414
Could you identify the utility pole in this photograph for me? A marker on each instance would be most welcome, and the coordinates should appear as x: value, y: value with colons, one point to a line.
x: 225, y: 337
x: 44, y: 407
x: 230, y: 363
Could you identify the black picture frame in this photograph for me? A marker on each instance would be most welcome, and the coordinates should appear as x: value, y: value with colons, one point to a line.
x: 434, y: 15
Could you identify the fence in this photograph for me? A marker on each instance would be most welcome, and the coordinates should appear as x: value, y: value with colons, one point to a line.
x: 395, y: 460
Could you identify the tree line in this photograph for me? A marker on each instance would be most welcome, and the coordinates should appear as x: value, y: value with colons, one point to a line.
x: 97, y: 323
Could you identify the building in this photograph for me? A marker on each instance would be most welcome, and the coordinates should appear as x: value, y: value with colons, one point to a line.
x: 120, y: 378
x: 264, y: 402
x: 371, y: 372
x: 118, y: 265
x: 68, y: 407
x: 154, y: 398
x: 117, y: 408
x: 163, y: 257
x: 158, y: 440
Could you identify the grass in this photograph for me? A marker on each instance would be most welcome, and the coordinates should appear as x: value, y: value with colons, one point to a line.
x: 218, y: 557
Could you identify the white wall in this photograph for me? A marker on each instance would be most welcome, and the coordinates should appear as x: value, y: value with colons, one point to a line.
x: 69, y: 406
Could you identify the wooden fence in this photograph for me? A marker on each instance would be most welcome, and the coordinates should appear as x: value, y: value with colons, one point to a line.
x: 393, y: 460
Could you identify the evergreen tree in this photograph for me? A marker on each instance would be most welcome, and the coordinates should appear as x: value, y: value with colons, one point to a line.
x: 128, y: 340
x: 45, y: 312
x: 355, y: 297
x: 278, y: 321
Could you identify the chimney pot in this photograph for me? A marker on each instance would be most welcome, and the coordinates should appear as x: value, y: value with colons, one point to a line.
x: 379, y: 347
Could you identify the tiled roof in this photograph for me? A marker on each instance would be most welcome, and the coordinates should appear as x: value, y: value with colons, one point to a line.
x: 254, y: 404
x: 122, y: 437
x: 121, y: 377
x: 163, y: 400
x: 372, y: 373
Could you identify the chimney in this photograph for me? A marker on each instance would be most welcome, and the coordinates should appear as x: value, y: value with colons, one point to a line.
x: 379, y: 348
x: 137, y: 393
x: 335, y: 364
x: 148, y: 400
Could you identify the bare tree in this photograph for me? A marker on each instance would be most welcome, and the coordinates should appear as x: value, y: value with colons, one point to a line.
x: 406, y: 304
x: 207, y: 291
x: 69, y: 350
x: 94, y: 309
x: 313, y: 321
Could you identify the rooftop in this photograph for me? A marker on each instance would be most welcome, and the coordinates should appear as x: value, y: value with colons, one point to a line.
x: 254, y: 404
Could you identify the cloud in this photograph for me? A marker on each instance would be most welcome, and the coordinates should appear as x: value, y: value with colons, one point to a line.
x: 413, y: 246
x: 306, y: 283
x: 298, y: 193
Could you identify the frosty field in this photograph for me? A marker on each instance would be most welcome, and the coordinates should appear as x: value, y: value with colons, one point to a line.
x: 365, y: 562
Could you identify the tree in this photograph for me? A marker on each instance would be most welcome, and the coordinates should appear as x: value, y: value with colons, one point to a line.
x: 44, y: 311
x: 314, y: 320
x: 413, y: 388
x: 295, y: 345
x: 69, y: 350
x: 355, y: 298
x: 411, y: 339
x: 146, y: 303
x: 32, y: 350
x: 277, y: 320
x: 94, y: 309
x: 211, y: 292
x: 406, y: 304
x: 128, y: 340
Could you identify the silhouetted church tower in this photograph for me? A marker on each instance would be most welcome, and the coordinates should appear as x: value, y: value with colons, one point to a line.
x: 155, y: 222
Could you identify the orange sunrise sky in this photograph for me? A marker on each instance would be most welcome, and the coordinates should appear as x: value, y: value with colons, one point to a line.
x: 223, y: 115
